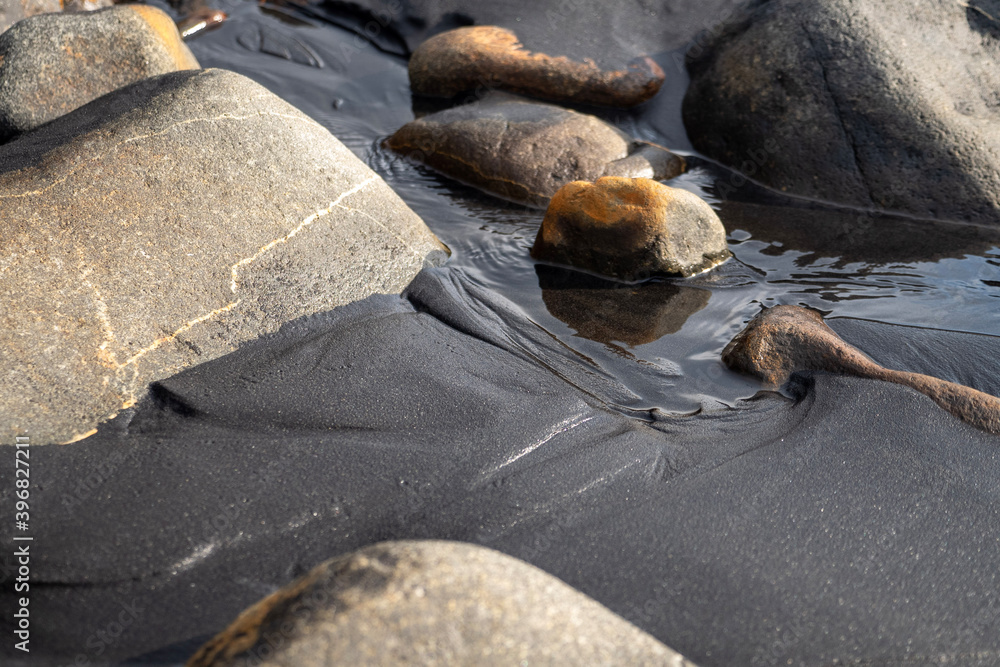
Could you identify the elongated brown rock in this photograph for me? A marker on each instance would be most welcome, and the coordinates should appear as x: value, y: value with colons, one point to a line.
x: 484, y: 57
x: 785, y: 339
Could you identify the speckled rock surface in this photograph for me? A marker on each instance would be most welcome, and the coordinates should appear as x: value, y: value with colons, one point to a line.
x: 860, y: 101
x: 785, y: 339
x: 485, y: 57
x: 630, y: 229
x: 54, y: 63
x: 161, y: 226
x: 430, y: 603
x: 525, y: 151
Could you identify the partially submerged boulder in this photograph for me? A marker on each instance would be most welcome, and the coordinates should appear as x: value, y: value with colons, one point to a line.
x: 784, y: 339
x: 858, y: 101
x: 161, y: 226
x: 631, y: 228
x: 54, y: 63
x: 525, y: 151
x: 479, y: 58
x: 430, y: 603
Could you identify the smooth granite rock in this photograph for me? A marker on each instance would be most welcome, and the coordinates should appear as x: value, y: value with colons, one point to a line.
x: 52, y: 64
x: 785, y: 339
x: 163, y: 225
x: 487, y: 57
x: 525, y: 151
x: 12, y: 11
x: 430, y: 603
x: 886, y: 105
x: 631, y: 229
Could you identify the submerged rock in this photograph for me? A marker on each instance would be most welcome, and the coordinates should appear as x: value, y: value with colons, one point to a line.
x: 630, y: 229
x: 430, y: 603
x: 486, y: 57
x: 862, y: 105
x: 164, y: 224
x: 785, y: 339
x: 525, y: 151
x: 54, y: 63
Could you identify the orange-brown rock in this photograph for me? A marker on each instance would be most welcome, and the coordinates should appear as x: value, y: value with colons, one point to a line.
x: 525, y: 151
x: 630, y: 228
x: 52, y: 64
x: 785, y: 339
x: 484, y: 57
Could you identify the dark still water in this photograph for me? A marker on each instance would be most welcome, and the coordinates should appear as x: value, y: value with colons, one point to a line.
x: 661, y: 339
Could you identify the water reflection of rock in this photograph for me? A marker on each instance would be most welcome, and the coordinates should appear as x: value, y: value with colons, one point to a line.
x: 607, y: 311
x: 857, y: 236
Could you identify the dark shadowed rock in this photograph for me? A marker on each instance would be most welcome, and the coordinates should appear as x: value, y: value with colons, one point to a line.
x: 862, y: 104
x: 483, y: 57
x: 785, y: 339
x: 630, y: 229
x: 430, y: 603
x: 52, y: 64
x: 12, y: 11
x: 163, y: 225
x: 525, y: 151
x: 611, y: 312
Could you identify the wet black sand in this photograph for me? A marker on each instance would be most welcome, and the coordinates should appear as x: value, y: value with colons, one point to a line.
x: 849, y: 520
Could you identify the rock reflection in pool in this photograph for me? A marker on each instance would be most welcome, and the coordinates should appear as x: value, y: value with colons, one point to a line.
x: 611, y: 312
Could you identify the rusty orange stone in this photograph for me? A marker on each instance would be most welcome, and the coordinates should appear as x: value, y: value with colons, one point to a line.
x: 481, y: 58
x: 630, y: 228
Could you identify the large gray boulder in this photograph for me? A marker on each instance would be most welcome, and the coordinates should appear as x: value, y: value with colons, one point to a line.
x: 430, y: 603
x: 884, y: 104
x: 164, y: 224
x: 54, y: 63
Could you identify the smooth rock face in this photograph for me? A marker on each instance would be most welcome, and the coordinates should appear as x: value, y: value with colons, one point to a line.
x: 163, y: 225
x: 785, y: 339
x: 485, y: 57
x: 430, y: 603
x: 630, y: 229
x: 863, y: 105
x: 52, y: 64
x: 525, y: 151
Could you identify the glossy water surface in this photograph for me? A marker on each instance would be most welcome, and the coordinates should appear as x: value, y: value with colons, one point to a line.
x: 661, y: 338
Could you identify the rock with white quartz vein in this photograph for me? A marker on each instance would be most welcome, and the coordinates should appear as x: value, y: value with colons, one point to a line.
x: 166, y: 223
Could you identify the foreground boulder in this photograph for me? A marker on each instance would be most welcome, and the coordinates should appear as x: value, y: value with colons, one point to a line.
x: 631, y: 229
x: 54, y: 63
x: 785, y: 339
x: 430, y: 603
x: 485, y: 57
x: 525, y: 151
x: 163, y: 225
x: 861, y: 103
